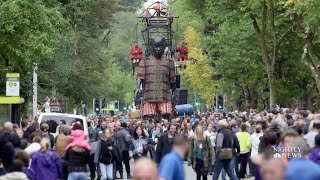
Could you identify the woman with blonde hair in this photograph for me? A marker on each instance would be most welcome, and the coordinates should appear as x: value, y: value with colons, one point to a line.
x: 46, y: 162
x: 200, y: 153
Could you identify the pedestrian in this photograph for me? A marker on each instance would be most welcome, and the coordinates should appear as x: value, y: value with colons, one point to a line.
x: 79, y: 138
x: 25, y: 125
x: 78, y: 153
x: 165, y: 142
x: 310, y: 136
x: 200, y: 153
x: 44, y: 127
x: 245, y: 147
x: 62, y: 141
x: 139, y: 143
x: 25, y: 158
x: 46, y: 163
x: 16, y: 172
x: 145, y: 169
x: 123, y: 142
x: 35, y: 145
x: 314, y: 155
x: 212, y: 136
x: 106, y: 155
x: 98, y: 132
x: 255, y: 141
x: 224, y: 145
x: 171, y: 166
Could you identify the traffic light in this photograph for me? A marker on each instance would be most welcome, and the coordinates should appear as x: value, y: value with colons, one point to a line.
x: 103, y: 103
x: 220, y: 102
x: 116, y: 106
x: 96, y: 105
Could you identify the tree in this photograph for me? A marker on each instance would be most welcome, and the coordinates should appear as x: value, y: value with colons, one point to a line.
x: 30, y: 33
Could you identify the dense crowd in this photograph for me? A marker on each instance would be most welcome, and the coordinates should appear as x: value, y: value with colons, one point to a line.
x: 269, y: 145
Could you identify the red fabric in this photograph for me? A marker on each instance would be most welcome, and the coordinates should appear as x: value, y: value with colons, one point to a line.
x: 136, y: 52
x: 151, y: 108
x: 183, y: 53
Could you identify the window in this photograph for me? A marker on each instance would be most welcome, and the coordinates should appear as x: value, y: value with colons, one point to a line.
x: 53, y: 121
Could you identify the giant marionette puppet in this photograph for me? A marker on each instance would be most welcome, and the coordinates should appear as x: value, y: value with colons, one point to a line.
x: 156, y: 77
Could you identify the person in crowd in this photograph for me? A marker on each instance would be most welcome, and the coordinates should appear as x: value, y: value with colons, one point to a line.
x: 2, y: 170
x: 200, y: 153
x: 171, y: 166
x: 165, y: 142
x: 190, y: 131
x: 212, y: 136
x: 46, y: 163
x: 255, y: 141
x: 224, y: 145
x: 183, y: 129
x: 145, y: 169
x: 287, y: 138
x: 123, y: 142
x: 35, y: 145
x: 299, y: 167
x: 235, y: 154
x: 314, y: 154
x: 98, y: 134
x: 310, y: 136
x: 78, y: 155
x: 165, y: 125
x: 245, y: 147
x: 106, y: 155
x: 139, y: 143
x: 61, y: 123
x: 272, y: 169
x: 46, y: 105
x: 62, y: 141
x: 16, y: 172
x: 25, y: 158
x: 44, y: 127
x: 16, y: 138
x: 273, y: 129
x: 25, y: 125
x: 6, y: 150
x: 79, y: 138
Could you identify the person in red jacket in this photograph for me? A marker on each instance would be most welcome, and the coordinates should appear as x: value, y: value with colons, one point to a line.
x: 136, y: 52
x: 183, y: 52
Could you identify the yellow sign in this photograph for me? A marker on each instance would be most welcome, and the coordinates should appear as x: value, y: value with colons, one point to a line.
x: 13, y: 75
x: 11, y: 100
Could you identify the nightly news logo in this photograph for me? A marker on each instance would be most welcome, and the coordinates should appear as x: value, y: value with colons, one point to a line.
x: 287, y: 152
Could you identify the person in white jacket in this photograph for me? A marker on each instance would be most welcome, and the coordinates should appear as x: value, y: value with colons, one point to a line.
x: 255, y: 141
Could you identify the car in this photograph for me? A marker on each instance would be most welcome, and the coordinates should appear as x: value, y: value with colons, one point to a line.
x: 53, y: 119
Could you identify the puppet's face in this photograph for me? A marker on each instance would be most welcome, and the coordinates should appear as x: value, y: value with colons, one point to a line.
x: 158, y: 43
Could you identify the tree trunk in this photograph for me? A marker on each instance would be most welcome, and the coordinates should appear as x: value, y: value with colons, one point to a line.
x: 254, y: 98
x: 310, y: 58
x: 247, y: 97
x: 272, y: 89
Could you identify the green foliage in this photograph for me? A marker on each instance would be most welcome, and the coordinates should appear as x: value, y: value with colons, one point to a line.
x: 234, y: 50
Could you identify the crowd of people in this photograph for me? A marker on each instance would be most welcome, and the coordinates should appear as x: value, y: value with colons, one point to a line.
x: 269, y: 145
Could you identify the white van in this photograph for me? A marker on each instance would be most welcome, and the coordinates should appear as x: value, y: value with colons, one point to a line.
x: 53, y: 119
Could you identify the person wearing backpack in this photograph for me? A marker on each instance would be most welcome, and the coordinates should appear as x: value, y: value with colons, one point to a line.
x: 105, y: 155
